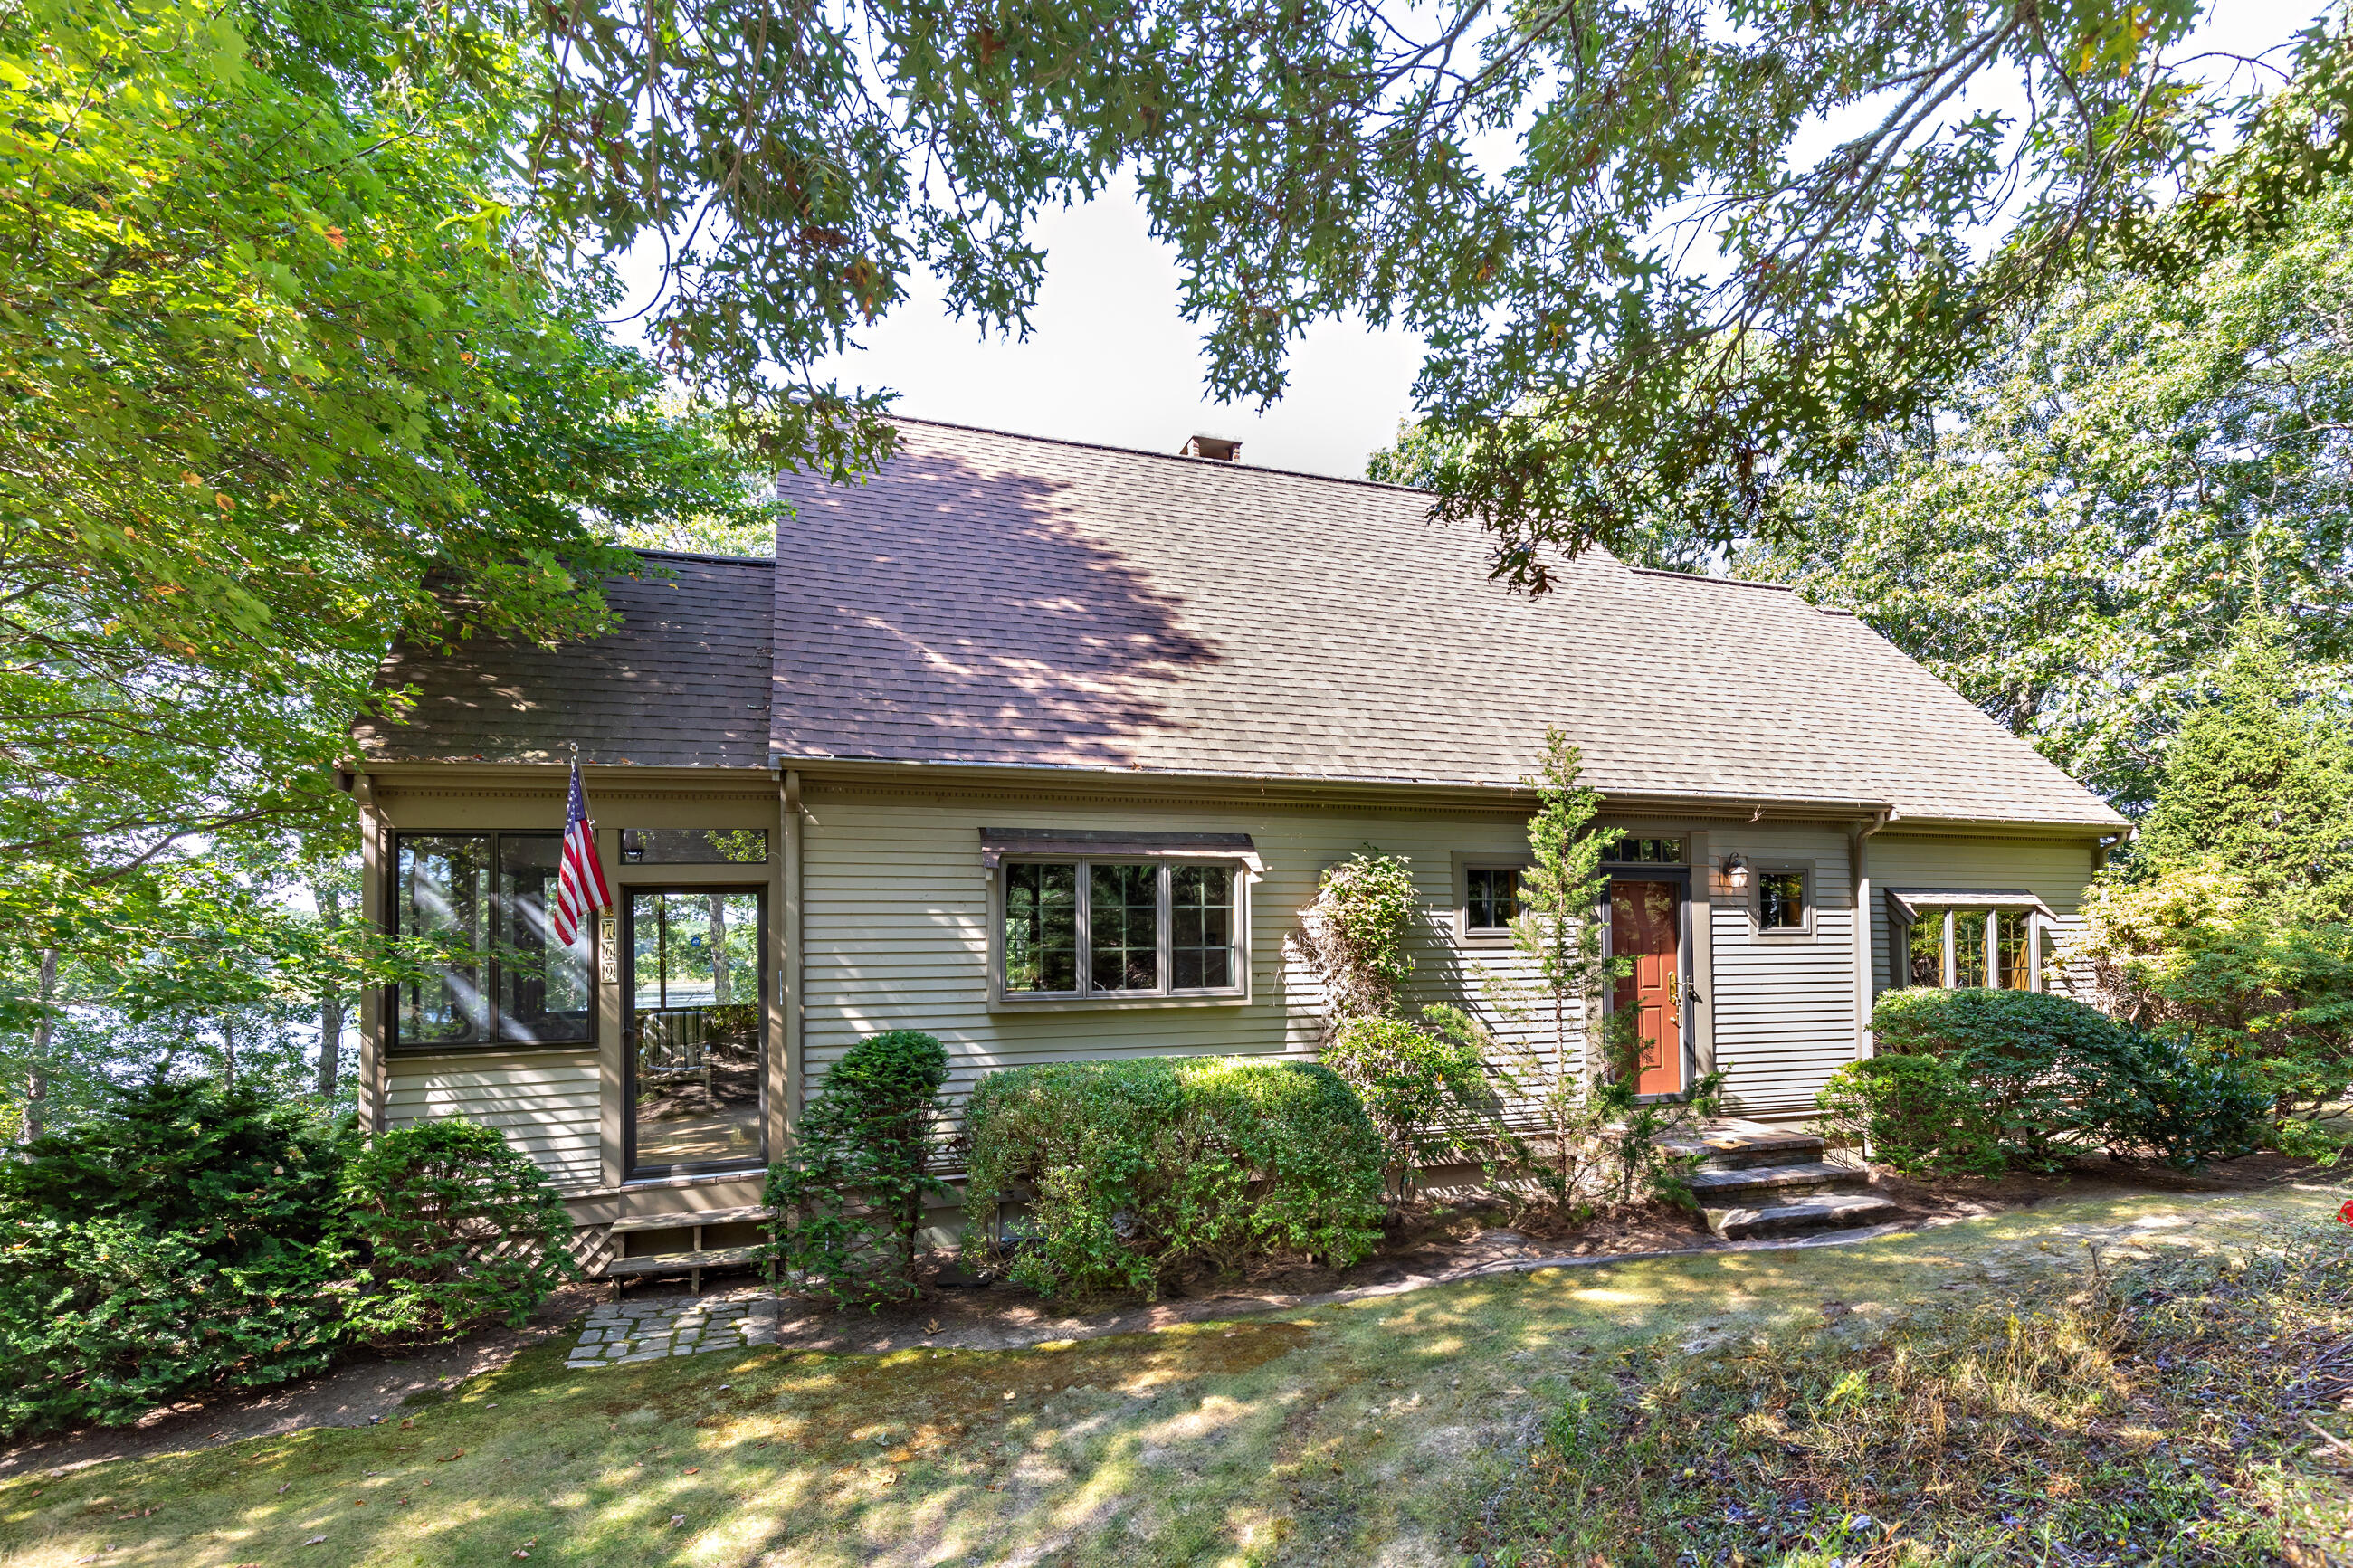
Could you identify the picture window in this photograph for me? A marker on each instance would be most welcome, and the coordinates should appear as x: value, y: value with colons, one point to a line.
x: 1119, y: 929
x: 482, y: 899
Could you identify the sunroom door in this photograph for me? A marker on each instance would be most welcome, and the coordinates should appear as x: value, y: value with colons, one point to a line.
x: 695, y: 1041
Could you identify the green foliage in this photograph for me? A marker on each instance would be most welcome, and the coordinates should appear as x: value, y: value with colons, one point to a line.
x: 1357, y: 930
x: 850, y: 1198
x: 1978, y: 1081
x: 1136, y: 1171
x: 2259, y: 784
x: 444, y: 1227
x: 2016, y: 1056
x: 1917, y: 1114
x: 285, y: 380
x: 1425, y: 1090
x: 175, y: 1244
x: 2078, y: 544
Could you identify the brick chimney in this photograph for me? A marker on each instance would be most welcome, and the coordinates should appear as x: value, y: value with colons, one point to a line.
x: 1213, y: 446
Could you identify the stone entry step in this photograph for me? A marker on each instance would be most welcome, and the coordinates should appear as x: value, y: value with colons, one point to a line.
x: 1823, y: 1211
x: 1755, y: 1180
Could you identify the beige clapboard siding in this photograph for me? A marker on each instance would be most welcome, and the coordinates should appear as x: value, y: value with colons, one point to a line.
x: 895, y: 912
x: 544, y: 1101
x: 1783, y: 1006
x: 2056, y: 870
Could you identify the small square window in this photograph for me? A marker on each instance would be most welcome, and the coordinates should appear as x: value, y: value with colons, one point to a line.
x: 1782, y: 900
x: 1492, y: 897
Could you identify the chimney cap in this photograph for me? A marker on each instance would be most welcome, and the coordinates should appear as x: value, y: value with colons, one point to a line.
x: 1218, y: 448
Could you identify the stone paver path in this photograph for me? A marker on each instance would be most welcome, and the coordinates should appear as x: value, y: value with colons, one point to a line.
x: 622, y: 1332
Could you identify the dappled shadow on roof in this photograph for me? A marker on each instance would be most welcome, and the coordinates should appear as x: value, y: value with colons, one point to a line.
x: 948, y: 613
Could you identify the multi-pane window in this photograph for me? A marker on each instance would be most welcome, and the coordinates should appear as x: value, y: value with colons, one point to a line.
x: 1647, y: 852
x: 1966, y: 947
x: 1119, y: 927
x: 1782, y: 900
x: 1492, y: 897
x: 479, y: 900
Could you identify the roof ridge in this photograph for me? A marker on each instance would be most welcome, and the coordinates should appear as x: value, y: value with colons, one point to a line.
x: 1230, y: 464
x: 768, y: 561
x: 1712, y: 577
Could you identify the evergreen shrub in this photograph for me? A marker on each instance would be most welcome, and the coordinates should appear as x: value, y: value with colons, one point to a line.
x: 849, y: 1199
x: 1425, y: 1090
x: 1980, y: 1081
x: 1139, y: 1171
x: 177, y: 1243
x: 443, y: 1228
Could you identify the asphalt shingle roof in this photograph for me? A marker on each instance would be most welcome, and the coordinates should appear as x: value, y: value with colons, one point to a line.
x: 681, y: 682
x: 1006, y: 600
x: 1000, y: 599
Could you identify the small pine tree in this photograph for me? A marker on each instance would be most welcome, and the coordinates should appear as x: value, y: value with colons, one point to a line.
x: 2252, y: 781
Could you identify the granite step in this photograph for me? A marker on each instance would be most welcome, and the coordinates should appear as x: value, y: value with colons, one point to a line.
x: 1772, y: 1184
x: 1737, y: 1145
x: 1798, y: 1216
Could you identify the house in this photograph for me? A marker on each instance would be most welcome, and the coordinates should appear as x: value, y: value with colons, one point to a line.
x: 1041, y: 746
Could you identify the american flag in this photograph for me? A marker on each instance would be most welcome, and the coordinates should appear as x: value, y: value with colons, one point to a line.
x: 580, y: 885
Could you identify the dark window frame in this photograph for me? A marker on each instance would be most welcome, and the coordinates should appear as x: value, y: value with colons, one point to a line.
x: 493, y: 967
x: 1164, y: 869
x: 1471, y: 872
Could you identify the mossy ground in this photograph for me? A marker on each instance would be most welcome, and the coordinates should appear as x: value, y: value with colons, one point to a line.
x: 1390, y: 1431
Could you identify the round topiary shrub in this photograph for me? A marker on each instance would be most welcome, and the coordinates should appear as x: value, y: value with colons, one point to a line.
x: 446, y: 1228
x: 1139, y: 1171
x: 849, y: 1197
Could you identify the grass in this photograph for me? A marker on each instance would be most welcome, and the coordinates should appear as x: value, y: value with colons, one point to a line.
x: 1401, y: 1430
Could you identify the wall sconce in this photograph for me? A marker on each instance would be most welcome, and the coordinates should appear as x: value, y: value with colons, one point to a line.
x: 1736, y: 873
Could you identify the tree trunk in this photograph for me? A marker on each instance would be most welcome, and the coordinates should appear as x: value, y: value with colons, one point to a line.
x: 36, y: 1081
x: 331, y: 1007
x: 228, y: 1054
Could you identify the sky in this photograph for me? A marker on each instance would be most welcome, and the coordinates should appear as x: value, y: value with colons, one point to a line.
x: 1110, y: 359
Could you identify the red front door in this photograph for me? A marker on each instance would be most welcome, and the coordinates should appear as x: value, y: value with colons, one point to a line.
x: 1643, y: 927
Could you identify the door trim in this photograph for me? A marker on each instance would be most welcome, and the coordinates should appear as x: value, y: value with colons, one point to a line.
x: 627, y: 968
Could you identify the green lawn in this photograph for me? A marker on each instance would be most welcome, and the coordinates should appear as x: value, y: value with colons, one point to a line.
x: 1380, y: 1432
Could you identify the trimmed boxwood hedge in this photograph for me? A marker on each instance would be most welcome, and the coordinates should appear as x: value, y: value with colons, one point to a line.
x: 1137, y: 1171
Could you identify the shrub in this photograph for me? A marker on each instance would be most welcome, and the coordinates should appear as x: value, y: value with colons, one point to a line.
x: 174, y: 1243
x: 850, y: 1198
x: 2024, y: 1077
x: 1356, y: 933
x: 1915, y: 1113
x: 1425, y: 1090
x: 1139, y: 1170
x: 446, y: 1228
x: 2010, y: 1051
x: 2146, y: 1097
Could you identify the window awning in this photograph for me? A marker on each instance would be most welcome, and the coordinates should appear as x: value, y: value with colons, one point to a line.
x: 996, y: 843
x: 1908, y: 902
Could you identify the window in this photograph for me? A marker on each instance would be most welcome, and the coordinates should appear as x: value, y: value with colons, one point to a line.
x: 1492, y: 897
x: 1961, y: 946
x: 1119, y: 927
x: 1781, y: 901
x: 1647, y: 852
x: 482, y: 899
x: 694, y: 845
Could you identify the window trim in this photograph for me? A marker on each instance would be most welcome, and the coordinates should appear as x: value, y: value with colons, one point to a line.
x: 1761, y: 869
x: 1164, y: 866
x: 492, y: 969
x: 1951, y: 905
x: 1465, y: 933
